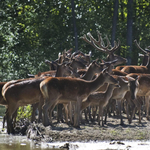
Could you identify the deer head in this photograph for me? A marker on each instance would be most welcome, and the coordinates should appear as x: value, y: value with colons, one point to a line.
x: 52, y: 65
x: 146, y: 55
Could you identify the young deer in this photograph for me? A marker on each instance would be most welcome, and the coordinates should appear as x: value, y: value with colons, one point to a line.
x: 142, y: 88
x: 100, y: 99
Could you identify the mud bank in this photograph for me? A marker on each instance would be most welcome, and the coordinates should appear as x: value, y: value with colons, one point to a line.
x: 89, y: 136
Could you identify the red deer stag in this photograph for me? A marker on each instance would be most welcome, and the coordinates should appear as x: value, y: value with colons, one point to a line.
x: 60, y: 89
x: 139, y: 69
x: 144, y: 57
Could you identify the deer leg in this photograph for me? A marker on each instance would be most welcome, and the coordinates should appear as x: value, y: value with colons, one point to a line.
x: 102, y: 110
x: 9, y: 116
x: 94, y: 111
x: 14, y: 117
x: 66, y: 112
x: 139, y: 106
x: 4, y: 118
x: 77, y: 113
x: 119, y: 109
x: 85, y: 109
x: 48, y: 106
x: 34, y: 107
x: 40, y: 104
x: 127, y: 110
x: 89, y: 112
x: 70, y: 112
x: 106, y: 111
x: 100, y: 115
x: 85, y: 114
x: 147, y: 106
x: 59, y: 113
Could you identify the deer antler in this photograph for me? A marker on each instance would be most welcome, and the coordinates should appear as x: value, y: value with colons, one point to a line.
x: 99, y: 45
x: 91, y: 42
x: 147, y: 49
x: 138, y: 45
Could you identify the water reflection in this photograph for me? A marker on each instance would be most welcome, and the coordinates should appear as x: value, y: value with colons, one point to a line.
x: 10, y: 142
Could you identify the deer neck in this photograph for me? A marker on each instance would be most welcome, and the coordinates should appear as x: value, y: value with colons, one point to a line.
x: 89, y: 74
x: 109, y: 91
x: 97, y: 83
x: 110, y: 68
x: 145, y: 60
x: 148, y: 64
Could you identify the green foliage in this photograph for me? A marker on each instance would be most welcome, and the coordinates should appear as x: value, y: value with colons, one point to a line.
x: 2, y: 110
x: 24, y: 112
x: 32, y: 31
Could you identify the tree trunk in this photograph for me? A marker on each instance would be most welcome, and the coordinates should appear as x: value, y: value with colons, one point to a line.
x: 114, y: 23
x: 74, y: 26
x: 129, y: 29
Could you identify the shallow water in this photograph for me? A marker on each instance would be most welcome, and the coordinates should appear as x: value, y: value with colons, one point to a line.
x: 10, y: 142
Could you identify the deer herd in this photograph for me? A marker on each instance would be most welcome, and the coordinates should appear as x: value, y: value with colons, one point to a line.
x: 81, y: 87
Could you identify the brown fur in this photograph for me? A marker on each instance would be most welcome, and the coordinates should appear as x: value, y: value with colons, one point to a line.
x: 69, y: 89
x: 136, y: 69
x: 2, y: 101
x: 118, y: 72
x: 100, y: 99
x: 143, y: 89
x: 20, y: 94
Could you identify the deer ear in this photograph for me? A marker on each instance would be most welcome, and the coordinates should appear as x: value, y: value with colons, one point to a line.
x: 137, y: 83
x: 114, y: 61
x: 102, y: 61
x: 124, y: 80
x: 59, y: 54
x: 141, y: 55
x: 90, y: 53
x: 39, y: 74
x: 96, y: 60
x: 47, y: 61
x: 55, y: 63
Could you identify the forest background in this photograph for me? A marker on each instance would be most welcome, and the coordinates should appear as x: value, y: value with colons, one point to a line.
x: 32, y: 31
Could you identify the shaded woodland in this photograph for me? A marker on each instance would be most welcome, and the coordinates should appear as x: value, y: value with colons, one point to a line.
x: 35, y: 30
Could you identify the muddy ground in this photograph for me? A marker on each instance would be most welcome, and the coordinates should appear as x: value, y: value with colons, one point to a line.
x: 91, y: 131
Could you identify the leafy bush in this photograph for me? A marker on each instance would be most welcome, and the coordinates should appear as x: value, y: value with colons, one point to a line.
x: 24, y: 112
